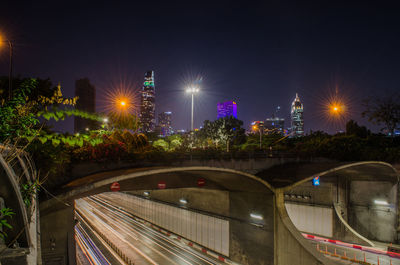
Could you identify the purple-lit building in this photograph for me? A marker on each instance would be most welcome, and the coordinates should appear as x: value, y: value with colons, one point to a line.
x: 226, y: 109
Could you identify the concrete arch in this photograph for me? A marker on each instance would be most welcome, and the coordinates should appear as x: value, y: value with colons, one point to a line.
x: 18, y: 169
x: 280, y: 192
x: 284, y: 230
x: 86, y: 189
x: 323, y: 173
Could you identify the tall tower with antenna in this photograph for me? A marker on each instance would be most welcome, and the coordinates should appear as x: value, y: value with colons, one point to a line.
x: 296, y: 115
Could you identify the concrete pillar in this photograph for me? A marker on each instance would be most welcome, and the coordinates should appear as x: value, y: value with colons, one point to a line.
x: 57, y: 237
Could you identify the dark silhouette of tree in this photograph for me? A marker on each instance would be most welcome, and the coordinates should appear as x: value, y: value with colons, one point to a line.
x: 384, y: 110
x: 352, y: 128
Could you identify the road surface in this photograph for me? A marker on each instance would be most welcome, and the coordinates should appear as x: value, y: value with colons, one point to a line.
x: 135, y: 241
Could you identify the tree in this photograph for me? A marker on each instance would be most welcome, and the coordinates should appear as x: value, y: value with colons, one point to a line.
x: 161, y: 143
x: 384, y: 110
x: 225, y: 130
x: 352, y: 128
x: 17, y: 118
x: 124, y: 121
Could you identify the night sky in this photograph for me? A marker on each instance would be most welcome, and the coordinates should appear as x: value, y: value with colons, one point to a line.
x: 256, y: 53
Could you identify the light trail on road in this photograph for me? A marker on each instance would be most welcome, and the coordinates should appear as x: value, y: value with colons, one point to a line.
x: 91, y: 252
x: 142, y: 244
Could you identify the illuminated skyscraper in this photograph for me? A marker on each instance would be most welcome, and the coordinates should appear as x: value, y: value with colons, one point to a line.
x: 164, y: 121
x: 226, y: 109
x: 148, y: 104
x: 296, y: 114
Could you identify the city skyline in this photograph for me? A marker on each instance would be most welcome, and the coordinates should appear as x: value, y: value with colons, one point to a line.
x: 258, y: 57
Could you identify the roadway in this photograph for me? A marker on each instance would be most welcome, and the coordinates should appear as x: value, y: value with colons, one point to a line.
x: 135, y: 241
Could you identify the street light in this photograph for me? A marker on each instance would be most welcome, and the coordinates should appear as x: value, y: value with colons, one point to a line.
x: 255, y: 127
x: 10, y: 70
x: 192, y: 90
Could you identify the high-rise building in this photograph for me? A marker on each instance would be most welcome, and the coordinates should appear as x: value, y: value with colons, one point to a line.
x: 86, y: 94
x: 274, y: 125
x: 226, y: 109
x: 148, y: 105
x: 296, y: 114
x: 164, y: 122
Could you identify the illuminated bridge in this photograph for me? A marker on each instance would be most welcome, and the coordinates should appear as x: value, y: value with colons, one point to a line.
x: 210, y: 215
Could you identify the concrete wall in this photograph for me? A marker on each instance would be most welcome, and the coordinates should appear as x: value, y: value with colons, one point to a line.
x: 251, y: 241
x: 376, y: 222
x: 57, y: 238
x: 355, y: 199
x: 199, y: 199
x: 290, y: 246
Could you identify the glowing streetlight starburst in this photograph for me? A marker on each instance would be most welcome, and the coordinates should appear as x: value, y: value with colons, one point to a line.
x: 121, y: 100
x: 336, y: 110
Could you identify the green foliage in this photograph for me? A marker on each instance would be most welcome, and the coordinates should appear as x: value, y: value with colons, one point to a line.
x: 124, y: 121
x: 60, y: 114
x: 16, y: 117
x: 4, y: 214
x: 224, y: 130
x: 162, y: 144
x: 117, y: 146
x: 28, y: 190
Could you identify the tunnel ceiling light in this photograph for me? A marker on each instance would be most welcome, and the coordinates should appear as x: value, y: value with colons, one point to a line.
x: 183, y: 201
x: 381, y: 202
x: 256, y: 216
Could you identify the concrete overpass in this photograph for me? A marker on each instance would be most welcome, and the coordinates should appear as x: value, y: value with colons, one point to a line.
x: 235, y: 195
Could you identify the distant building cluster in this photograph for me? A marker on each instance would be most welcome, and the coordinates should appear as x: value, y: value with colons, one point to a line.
x: 272, y: 125
x: 276, y: 125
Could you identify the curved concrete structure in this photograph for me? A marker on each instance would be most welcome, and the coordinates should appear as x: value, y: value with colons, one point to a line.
x: 17, y: 168
x: 364, y: 241
x: 353, y: 189
x: 289, y: 246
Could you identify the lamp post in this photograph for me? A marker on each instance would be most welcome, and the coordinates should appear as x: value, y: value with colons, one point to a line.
x: 192, y: 91
x: 10, y: 69
x: 255, y: 127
